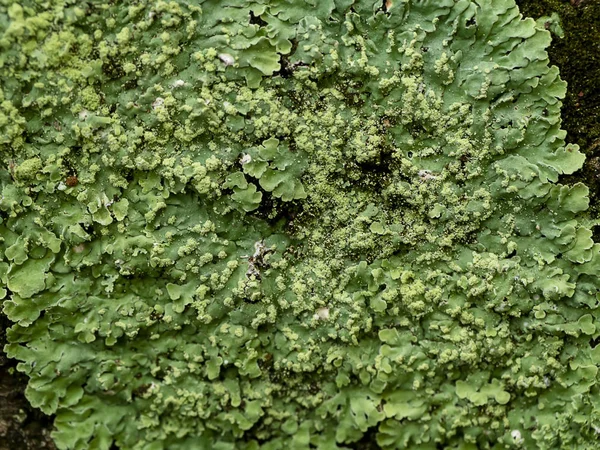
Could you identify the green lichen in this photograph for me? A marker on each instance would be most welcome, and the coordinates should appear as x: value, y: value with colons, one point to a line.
x: 577, y: 56
x: 28, y: 169
x: 263, y: 224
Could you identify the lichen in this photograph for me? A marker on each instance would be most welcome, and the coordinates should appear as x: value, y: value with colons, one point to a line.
x: 575, y: 53
x: 246, y: 225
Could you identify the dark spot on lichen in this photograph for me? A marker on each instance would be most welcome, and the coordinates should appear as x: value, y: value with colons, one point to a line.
x: 71, y: 181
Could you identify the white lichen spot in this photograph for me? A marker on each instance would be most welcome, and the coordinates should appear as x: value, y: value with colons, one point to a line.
x: 322, y: 314
x: 177, y: 84
x: 245, y: 159
x: 258, y: 260
x: 229, y: 108
x: 227, y: 59
x: 425, y: 175
x: 158, y: 103
x: 259, y: 247
x: 84, y: 114
x: 79, y: 248
x: 516, y: 435
x: 61, y: 186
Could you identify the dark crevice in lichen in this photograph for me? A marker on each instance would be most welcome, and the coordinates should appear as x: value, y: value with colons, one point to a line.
x: 287, y: 67
x: 257, y: 20
x: 367, y: 442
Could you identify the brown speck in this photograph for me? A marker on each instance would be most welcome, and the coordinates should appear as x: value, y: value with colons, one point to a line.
x: 388, y: 4
x: 580, y: 94
x: 71, y: 181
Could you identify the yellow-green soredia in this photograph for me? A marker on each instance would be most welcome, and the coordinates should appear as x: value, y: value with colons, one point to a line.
x: 260, y: 224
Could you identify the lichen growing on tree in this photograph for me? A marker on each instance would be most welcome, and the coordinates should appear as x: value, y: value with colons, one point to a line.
x: 242, y: 224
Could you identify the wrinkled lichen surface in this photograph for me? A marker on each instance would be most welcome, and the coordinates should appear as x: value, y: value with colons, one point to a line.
x: 578, y: 56
x: 245, y: 224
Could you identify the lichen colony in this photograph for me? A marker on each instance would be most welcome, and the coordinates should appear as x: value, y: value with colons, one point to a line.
x: 245, y: 224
